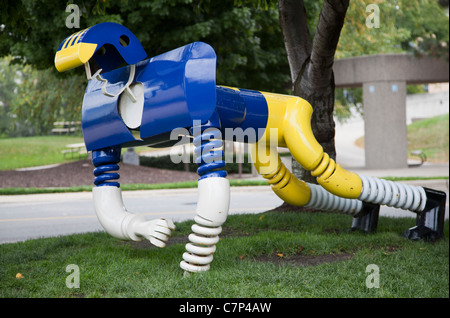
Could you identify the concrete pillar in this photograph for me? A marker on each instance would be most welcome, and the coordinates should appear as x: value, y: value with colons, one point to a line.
x: 386, y: 140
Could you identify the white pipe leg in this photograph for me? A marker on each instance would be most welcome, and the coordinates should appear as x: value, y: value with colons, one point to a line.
x: 212, y: 211
x: 118, y: 222
x: 213, y: 201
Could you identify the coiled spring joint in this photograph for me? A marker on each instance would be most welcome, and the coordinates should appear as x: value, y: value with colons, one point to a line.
x: 106, y: 163
x: 208, y: 153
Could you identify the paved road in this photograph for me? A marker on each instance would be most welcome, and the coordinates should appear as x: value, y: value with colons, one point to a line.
x: 47, y: 215
x: 44, y: 215
x: 348, y: 154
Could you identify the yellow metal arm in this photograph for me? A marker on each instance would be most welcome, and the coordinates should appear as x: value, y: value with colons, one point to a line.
x: 283, y: 182
x: 290, y: 118
x: 293, y: 191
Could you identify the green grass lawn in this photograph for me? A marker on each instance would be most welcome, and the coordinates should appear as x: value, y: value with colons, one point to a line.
x: 34, y: 151
x: 131, y: 187
x: 431, y: 135
x: 241, y: 267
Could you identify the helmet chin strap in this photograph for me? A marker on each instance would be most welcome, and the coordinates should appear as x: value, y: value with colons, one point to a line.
x: 126, y: 88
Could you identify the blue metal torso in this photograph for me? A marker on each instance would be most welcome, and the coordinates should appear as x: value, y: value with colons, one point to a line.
x: 179, y: 88
x: 101, y: 122
x: 241, y: 108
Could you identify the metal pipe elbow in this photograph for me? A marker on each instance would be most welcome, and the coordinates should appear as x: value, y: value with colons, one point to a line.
x: 309, y: 153
x: 285, y: 185
x: 119, y: 223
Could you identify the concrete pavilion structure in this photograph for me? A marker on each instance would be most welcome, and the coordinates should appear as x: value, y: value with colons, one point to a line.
x: 383, y: 78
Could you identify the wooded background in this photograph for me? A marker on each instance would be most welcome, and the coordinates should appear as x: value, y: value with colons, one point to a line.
x: 285, y: 46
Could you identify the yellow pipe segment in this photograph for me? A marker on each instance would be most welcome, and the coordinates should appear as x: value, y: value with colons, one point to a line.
x: 285, y: 185
x: 290, y: 117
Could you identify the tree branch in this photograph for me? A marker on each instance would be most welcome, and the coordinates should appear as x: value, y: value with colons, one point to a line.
x: 331, y: 21
x: 295, y: 34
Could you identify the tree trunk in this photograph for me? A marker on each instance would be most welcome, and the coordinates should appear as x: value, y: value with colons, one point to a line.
x: 295, y: 31
x: 312, y: 67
